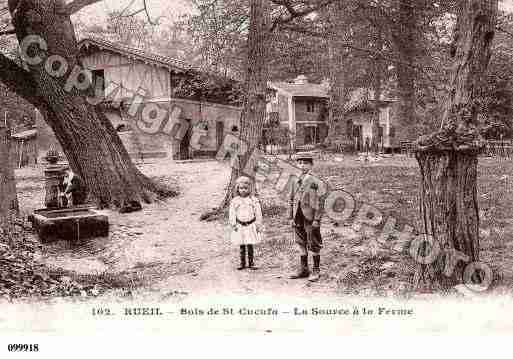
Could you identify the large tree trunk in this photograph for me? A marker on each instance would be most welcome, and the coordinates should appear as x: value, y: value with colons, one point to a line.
x: 4, y: 178
x: 448, y: 158
x: 257, y: 74
x: 90, y: 143
x: 337, y: 128
x: 8, y: 198
x: 379, y: 68
x: 405, y: 42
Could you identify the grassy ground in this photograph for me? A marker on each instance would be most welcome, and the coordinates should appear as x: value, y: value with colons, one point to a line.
x: 354, y: 260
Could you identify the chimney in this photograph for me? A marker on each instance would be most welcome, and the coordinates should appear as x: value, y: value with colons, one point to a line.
x: 301, y: 80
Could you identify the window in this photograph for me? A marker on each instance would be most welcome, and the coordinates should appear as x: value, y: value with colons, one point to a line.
x: 392, y: 131
x: 310, y: 107
x: 98, y: 83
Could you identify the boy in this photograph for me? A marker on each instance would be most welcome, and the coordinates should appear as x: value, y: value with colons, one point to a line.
x: 305, y: 216
x: 74, y: 191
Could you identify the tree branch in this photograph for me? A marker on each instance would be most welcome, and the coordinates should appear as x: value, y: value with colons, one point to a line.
x: 19, y: 82
x: 293, y: 13
x: 154, y: 23
x: 144, y: 9
x: 134, y: 13
x: 375, y: 54
x: 77, y: 5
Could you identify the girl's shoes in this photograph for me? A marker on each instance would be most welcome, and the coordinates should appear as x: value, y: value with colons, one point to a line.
x: 242, y: 258
x: 251, y: 257
x: 251, y: 262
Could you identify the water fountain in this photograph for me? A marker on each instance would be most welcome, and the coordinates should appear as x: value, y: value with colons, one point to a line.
x: 56, y: 222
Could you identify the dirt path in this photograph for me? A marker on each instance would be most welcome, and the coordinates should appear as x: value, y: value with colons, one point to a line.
x: 166, y: 245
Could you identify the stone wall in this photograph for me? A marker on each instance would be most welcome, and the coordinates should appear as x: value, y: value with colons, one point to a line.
x: 141, y: 143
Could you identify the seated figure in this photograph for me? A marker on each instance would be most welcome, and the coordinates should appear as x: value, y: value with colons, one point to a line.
x: 74, y: 192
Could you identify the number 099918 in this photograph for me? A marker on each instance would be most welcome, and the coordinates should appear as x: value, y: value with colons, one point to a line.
x: 23, y: 347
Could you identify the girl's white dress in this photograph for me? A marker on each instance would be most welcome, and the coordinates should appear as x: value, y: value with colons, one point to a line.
x: 245, y: 209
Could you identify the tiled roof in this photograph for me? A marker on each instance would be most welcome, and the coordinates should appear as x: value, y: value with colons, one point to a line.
x: 137, y: 54
x: 302, y: 90
x: 361, y: 99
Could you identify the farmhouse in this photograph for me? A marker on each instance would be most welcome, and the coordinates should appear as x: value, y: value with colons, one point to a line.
x: 302, y: 107
x: 125, y: 78
x: 129, y: 77
x: 373, y: 121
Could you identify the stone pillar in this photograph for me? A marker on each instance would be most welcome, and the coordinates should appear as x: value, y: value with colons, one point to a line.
x: 54, y: 176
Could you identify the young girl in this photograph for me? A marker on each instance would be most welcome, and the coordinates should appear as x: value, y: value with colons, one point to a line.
x: 245, y: 221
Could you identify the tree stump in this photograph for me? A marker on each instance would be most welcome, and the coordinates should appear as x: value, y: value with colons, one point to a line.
x: 450, y: 214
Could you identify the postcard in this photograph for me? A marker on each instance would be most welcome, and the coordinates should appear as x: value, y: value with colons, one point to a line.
x: 255, y: 167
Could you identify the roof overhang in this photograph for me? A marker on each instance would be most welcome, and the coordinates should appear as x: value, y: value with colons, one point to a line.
x: 311, y: 97
x: 170, y: 64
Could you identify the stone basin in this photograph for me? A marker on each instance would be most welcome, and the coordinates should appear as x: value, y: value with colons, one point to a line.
x: 71, y: 224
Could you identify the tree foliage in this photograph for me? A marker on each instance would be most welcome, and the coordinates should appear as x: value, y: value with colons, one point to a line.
x: 133, y: 31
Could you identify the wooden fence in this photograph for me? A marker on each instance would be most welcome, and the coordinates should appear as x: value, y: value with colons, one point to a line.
x: 406, y: 148
x: 503, y: 149
x: 499, y: 149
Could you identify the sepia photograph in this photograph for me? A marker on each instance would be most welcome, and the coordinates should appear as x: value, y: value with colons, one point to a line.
x: 255, y: 167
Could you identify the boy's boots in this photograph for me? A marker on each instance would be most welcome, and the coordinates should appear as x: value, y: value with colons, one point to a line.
x: 242, y: 257
x: 250, y: 257
x: 316, y: 268
x: 303, y: 271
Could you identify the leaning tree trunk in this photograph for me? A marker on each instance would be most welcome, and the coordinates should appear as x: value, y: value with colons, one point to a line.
x: 405, y: 41
x: 8, y: 198
x: 448, y: 158
x: 257, y: 74
x: 90, y: 143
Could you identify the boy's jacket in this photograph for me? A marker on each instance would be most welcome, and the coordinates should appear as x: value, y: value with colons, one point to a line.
x: 306, y: 192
